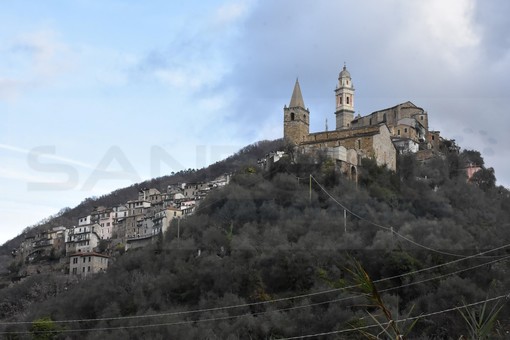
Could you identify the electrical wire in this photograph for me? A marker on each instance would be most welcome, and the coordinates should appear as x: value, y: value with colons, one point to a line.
x: 390, y: 229
x: 244, y: 314
x: 397, y: 321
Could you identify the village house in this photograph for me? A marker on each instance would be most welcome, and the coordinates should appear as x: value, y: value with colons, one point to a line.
x: 84, y: 264
x: 81, y: 239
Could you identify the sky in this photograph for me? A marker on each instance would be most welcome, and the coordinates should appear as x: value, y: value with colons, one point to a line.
x: 101, y: 94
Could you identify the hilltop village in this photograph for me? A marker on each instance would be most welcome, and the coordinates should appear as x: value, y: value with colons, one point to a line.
x: 86, y: 248
x: 380, y: 135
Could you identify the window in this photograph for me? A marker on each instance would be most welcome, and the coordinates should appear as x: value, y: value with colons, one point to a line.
x: 292, y: 116
x: 405, y: 130
x: 432, y: 137
x: 341, y: 100
x: 83, y: 270
x: 75, y: 260
x: 83, y: 260
x: 347, y: 99
x: 370, y: 122
x: 398, y: 132
x: 421, y: 117
x: 75, y: 270
x: 89, y: 258
x: 88, y: 268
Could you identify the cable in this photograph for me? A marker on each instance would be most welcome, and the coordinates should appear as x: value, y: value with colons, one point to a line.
x: 279, y: 299
x: 274, y: 300
x: 390, y: 229
x: 258, y: 313
x: 397, y: 321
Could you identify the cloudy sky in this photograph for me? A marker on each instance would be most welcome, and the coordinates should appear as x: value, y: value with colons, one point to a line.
x: 97, y: 95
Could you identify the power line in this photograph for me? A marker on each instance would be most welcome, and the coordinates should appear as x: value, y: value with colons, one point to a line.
x: 244, y: 314
x: 397, y: 321
x: 390, y: 229
x: 301, y: 296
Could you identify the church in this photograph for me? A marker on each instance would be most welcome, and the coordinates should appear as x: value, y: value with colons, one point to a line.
x: 379, y: 135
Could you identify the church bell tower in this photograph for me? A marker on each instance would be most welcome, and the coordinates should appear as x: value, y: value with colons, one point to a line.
x: 296, y: 118
x: 344, y: 100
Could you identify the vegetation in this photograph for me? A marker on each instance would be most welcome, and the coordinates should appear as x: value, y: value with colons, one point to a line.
x: 266, y: 258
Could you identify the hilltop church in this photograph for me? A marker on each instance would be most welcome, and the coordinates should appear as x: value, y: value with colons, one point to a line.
x: 379, y: 135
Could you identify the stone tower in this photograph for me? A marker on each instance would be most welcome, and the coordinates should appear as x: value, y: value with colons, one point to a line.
x: 344, y: 100
x: 296, y: 118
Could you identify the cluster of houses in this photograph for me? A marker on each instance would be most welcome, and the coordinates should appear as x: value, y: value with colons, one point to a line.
x: 86, y: 246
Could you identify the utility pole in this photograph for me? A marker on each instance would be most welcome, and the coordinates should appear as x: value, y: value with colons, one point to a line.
x: 345, y: 221
x: 310, y: 189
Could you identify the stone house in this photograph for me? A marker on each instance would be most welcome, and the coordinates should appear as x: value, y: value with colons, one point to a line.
x: 83, y: 264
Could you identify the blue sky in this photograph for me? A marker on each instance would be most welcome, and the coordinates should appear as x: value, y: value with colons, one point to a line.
x: 96, y: 95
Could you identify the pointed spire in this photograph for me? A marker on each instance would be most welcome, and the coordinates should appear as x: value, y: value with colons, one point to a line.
x: 297, y: 97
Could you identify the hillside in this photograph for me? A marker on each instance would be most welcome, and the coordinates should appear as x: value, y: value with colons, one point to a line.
x: 69, y: 216
x: 281, y: 254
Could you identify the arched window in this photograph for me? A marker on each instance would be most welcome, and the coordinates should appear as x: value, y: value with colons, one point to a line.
x: 347, y: 99
x: 340, y: 100
x: 292, y: 116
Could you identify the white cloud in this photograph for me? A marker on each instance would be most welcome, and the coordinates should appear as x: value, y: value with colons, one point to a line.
x: 443, y: 30
x: 32, y: 60
x: 231, y: 12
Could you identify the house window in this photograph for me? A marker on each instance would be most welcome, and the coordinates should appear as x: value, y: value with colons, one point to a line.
x: 83, y: 260
x: 432, y: 137
x: 89, y: 258
x: 405, y: 130
x: 75, y: 270
x: 398, y: 132
x: 88, y: 268
x: 75, y: 260
x: 83, y: 270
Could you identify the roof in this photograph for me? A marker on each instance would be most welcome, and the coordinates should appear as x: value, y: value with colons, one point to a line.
x: 88, y: 254
x: 344, y: 73
x: 404, y: 105
x: 297, y: 98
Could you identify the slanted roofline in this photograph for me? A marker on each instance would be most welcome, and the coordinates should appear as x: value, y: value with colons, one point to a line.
x: 405, y: 104
x: 297, y: 98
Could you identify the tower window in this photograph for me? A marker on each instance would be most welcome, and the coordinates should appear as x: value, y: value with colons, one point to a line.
x: 292, y: 116
x: 347, y: 100
x: 340, y: 100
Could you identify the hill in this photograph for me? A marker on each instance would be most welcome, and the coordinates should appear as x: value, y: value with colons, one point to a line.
x: 299, y: 250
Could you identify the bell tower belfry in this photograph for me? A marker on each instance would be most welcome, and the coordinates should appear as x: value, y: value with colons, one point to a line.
x: 344, y: 100
x: 296, y: 118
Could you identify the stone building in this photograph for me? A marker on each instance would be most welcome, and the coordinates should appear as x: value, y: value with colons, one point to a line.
x: 379, y: 135
x: 83, y: 264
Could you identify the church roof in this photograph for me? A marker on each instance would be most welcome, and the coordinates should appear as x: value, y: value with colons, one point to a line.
x: 344, y: 73
x: 297, y: 98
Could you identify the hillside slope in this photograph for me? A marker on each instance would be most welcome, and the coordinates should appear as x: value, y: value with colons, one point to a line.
x: 272, y: 256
